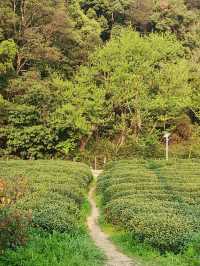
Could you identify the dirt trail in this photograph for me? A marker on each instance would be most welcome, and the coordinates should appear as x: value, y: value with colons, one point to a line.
x: 114, y: 257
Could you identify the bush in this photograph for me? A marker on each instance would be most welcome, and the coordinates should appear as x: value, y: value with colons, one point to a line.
x: 52, y: 211
x: 56, y: 192
x: 34, y: 142
x: 56, y: 199
x: 23, y: 115
x: 14, y: 226
x: 157, y: 202
x: 13, y: 222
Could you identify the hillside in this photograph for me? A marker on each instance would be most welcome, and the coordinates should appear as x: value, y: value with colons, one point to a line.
x: 82, y: 78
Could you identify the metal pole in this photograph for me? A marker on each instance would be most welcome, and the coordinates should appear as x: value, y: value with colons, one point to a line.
x: 166, y: 136
x: 167, y: 148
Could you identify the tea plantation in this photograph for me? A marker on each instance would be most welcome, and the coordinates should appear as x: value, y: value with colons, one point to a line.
x: 158, y: 203
x: 55, y: 199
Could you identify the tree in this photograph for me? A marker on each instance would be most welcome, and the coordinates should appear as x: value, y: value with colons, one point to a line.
x: 138, y: 78
x: 139, y: 13
x: 46, y: 35
x: 174, y: 16
x: 85, y: 71
x: 78, y: 118
x: 195, y: 85
x: 121, y: 12
x: 8, y: 52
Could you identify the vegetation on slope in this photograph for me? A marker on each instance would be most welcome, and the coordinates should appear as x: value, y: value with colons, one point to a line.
x: 56, y: 202
x: 76, y: 80
x: 154, y: 203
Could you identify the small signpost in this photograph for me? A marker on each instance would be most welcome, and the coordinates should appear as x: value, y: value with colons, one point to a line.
x: 166, y: 136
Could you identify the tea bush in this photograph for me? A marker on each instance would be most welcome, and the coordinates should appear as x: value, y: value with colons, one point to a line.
x: 157, y: 202
x: 56, y: 192
x: 56, y: 199
x: 14, y: 226
x: 14, y: 223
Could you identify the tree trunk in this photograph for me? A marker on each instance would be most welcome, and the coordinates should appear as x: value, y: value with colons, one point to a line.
x: 84, y: 140
x: 83, y: 143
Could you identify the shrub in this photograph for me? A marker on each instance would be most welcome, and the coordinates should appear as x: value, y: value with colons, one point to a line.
x: 157, y: 202
x: 13, y: 228
x: 13, y: 222
x: 34, y: 142
x: 23, y: 115
x: 56, y: 192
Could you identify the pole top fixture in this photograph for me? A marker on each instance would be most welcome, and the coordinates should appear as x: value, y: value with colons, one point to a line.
x: 166, y: 135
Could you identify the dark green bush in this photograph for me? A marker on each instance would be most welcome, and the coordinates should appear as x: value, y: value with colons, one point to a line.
x: 34, y: 142
x: 52, y: 211
x: 166, y: 231
x: 57, y: 216
x: 56, y: 192
x: 23, y: 115
x: 157, y: 201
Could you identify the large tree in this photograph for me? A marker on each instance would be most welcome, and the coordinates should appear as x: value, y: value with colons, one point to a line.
x: 144, y: 81
x: 48, y: 33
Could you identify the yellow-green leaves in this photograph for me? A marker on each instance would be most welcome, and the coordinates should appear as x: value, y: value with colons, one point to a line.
x: 8, y: 50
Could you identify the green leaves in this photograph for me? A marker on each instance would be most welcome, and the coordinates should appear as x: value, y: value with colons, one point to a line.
x: 57, y: 73
x: 56, y: 193
x: 8, y: 50
x: 139, y: 77
x: 30, y: 142
x: 158, y: 206
x: 23, y: 115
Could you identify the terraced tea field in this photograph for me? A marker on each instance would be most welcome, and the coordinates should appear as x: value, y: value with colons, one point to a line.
x: 152, y: 209
x: 55, y: 195
x: 157, y: 202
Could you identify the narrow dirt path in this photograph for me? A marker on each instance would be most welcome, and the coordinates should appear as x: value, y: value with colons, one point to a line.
x: 114, y: 257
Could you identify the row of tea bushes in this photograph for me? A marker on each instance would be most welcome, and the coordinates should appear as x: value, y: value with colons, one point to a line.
x: 55, y: 197
x: 56, y: 191
x: 14, y: 224
x: 156, y: 202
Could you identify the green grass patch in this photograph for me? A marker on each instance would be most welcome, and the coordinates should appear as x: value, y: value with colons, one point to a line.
x: 55, y: 249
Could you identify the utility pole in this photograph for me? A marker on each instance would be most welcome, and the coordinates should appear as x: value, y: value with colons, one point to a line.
x: 166, y: 136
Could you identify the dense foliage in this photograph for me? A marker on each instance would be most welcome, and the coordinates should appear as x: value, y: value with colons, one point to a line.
x: 52, y: 199
x: 14, y: 223
x: 79, y: 78
x: 56, y: 194
x: 157, y: 202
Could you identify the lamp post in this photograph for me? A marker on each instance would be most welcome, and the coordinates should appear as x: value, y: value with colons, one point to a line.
x: 166, y: 136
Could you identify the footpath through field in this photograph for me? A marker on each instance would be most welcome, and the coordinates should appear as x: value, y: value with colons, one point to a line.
x: 114, y: 257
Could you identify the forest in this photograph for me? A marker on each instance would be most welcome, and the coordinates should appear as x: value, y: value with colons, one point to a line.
x: 80, y: 78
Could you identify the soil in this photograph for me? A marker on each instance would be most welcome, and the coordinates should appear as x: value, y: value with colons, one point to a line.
x: 114, y: 256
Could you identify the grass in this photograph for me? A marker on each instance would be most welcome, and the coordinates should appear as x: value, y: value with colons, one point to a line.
x: 54, y: 248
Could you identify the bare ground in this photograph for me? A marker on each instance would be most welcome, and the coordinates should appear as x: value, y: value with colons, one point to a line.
x: 114, y: 256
